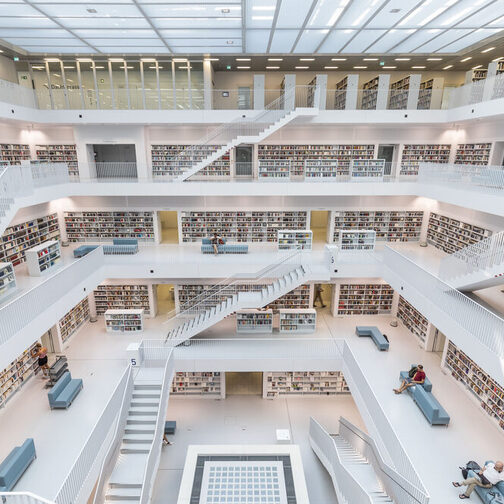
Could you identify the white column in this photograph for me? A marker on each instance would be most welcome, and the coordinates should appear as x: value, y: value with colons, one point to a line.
x: 414, y: 88
x: 320, y: 91
x: 157, y: 228
x: 207, y: 85
x: 429, y: 337
x: 92, y: 306
x: 57, y: 338
x: 152, y: 300
x: 490, y: 81
x: 383, y: 91
x: 259, y: 84
x: 352, y: 91
x: 290, y: 91
x: 437, y: 93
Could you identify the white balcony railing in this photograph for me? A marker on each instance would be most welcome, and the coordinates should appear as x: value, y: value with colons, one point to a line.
x: 22, y: 498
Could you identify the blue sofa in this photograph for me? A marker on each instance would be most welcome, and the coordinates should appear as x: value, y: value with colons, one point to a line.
x: 83, y: 250
x: 64, y: 391
x: 227, y: 248
x: 375, y: 334
x: 16, y: 463
x: 119, y: 246
x: 170, y: 426
x: 428, y: 404
x: 125, y: 241
x: 487, y: 494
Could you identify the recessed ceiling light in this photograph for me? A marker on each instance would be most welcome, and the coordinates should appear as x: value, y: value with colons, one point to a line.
x: 369, y: 59
x: 1, y: 51
x: 85, y: 60
x: 211, y: 59
x: 360, y: 67
x: 434, y: 59
x: 272, y: 67
x: 68, y: 66
x: 52, y: 60
x: 116, y: 60
x: 477, y: 66
x: 275, y: 59
x: 148, y: 60
x: 242, y: 59
x: 243, y: 67
x: 447, y: 67
x: 488, y: 49
x: 306, y: 59
x: 92, y: 11
x: 466, y: 59
x: 302, y: 67
x: 388, y: 67
x: 331, y: 67
x: 179, y: 60
x: 338, y: 59
x: 402, y: 59
x: 498, y: 59
x: 418, y: 67
x: 99, y: 67
x: 38, y: 67
x: 225, y: 11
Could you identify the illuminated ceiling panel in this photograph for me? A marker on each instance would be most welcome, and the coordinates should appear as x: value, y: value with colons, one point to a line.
x: 336, y: 40
x: 309, y: 41
x: 283, y: 40
x: 362, y: 41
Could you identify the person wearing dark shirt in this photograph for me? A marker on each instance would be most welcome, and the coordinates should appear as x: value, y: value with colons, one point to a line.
x: 418, y: 379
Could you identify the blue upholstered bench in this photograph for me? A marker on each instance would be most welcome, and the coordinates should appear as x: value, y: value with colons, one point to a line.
x: 125, y: 241
x: 15, y: 464
x: 170, y: 426
x: 83, y: 250
x: 116, y: 249
x: 64, y: 391
x: 375, y: 334
x: 487, y: 495
x: 227, y: 248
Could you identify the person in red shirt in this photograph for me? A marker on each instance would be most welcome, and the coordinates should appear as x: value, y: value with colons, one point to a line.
x: 418, y: 379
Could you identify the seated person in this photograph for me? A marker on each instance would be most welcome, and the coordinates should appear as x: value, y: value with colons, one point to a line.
x: 215, y: 241
x: 417, y: 379
x: 489, y: 476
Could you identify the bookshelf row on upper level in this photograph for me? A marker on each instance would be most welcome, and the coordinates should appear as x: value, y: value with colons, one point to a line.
x: 414, y: 154
x: 66, y: 153
x: 193, y: 384
x: 14, y: 153
x: 473, y: 154
x: 305, y: 383
x: 122, y: 297
x: 364, y: 299
x: 74, y: 319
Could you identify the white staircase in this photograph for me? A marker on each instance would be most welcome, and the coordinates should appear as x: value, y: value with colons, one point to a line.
x: 204, y: 316
x: 361, y: 470
x: 477, y: 266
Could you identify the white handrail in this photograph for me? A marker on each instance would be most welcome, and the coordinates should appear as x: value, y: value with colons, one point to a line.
x: 113, y: 451
x: 23, y: 498
x: 152, y: 463
x: 396, y: 486
x: 89, y: 458
x: 479, y: 256
x: 346, y: 486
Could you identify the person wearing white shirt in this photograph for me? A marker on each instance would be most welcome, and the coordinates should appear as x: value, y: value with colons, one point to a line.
x: 489, y: 476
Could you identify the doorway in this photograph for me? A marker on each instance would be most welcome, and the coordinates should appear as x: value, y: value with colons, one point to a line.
x: 326, y: 295
x: 438, y: 343
x: 318, y: 224
x: 244, y: 98
x: 165, y: 298
x: 243, y: 161
x: 387, y: 152
x: 169, y: 226
x: 115, y: 160
x: 244, y: 384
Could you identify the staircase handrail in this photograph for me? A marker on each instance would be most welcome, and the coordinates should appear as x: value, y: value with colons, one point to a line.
x: 399, y: 488
x: 115, y: 443
x: 23, y: 498
x: 225, y: 284
x: 478, y: 256
x: 152, y: 463
x: 349, y: 487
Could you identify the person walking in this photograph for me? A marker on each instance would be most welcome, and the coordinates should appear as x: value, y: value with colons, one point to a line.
x: 318, y: 296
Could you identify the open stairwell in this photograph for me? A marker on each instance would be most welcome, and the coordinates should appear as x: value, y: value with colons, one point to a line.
x: 205, y: 317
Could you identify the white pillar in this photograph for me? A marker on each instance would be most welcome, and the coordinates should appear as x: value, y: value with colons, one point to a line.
x: 152, y: 300
x: 383, y: 91
x: 320, y: 91
x: 490, y: 81
x: 352, y: 91
x: 414, y: 88
x: 437, y: 93
x: 92, y: 306
x: 207, y: 85
x: 259, y: 85
x: 290, y: 91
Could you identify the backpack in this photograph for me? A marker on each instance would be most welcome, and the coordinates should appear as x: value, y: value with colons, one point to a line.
x: 412, y: 371
x: 471, y: 466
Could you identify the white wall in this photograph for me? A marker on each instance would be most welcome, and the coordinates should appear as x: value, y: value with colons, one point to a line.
x: 8, y: 69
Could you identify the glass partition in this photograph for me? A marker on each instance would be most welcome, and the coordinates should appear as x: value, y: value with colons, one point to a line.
x: 197, y: 86
x: 104, y: 85
x: 87, y: 82
x: 150, y: 75
x: 166, y: 84
x: 41, y: 85
x: 57, y: 85
x: 135, y: 86
x: 73, y: 89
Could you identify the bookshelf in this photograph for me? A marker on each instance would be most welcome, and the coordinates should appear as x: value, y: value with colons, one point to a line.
x: 298, y: 298
x: 15, y: 375
x: 43, y: 257
x: 168, y: 160
x: 98, y: 226
x: 413, y: 320
x: 14, y: 153
x: 365, y: 299
x: 367, y: 169
x: 298, y: 321
x: 473, y: 154
x: 320, y: 168
x: 414, y: 154
x: 254, y: 321
x: 392, y: 226
x: 239, y: 226
x: 370, y: 94
x: 340, y: 94
x: 399, y: 94
x: 274, y: 169
x: 310, y: 99
x: 206, y: 384
x: 450, y: 235
x: 298, y: 154
x: 20, y: 237
x: 122, y: 297
x: 74, y: 319
x: 357, y: 240
x: 7, y: 279
x: 425, y: 95
x: 476, y: 75
x: 292, y: 239
x: 305, y: 383
x: 486, y: 391
x: 124, y: 320
x: 66, y: 153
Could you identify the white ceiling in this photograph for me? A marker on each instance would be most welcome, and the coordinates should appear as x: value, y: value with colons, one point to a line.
x: 248, y: 26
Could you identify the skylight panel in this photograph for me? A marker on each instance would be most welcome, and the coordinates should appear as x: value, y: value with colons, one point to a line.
x: 310, y: 40
x: 257, y: 40
x: 283, y: 41
x: 104, y: 22
x: 85, y: 33
x: 393, y: 12
x: 484, y: 16
x: 197, y: 22
x: 470, y: 39
x: 293, y: 13
x: 441, y: 40
x: 358, y: 12
x: 336, y: 40
x: 390, y: 39
x: 362, y: 40
x: 81, y: 10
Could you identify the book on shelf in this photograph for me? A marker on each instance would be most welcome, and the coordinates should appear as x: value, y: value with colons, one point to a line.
x: 203, y: 384
x: 473, y: 154
x: 122, y: 297
x: 74, y: 319
x: 295, y: 239
x: 412, y: 319
x: 7, y: 279
x: 130, y: 320
x: 61, y: 153
x: 14, y: 153
x: 298, y: 321
x: 357, y: 240
x: 366, y: 169
x: 365, y: 299
x: 254, y: 321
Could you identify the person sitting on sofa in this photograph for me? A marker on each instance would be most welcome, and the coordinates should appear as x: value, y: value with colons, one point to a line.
x: 489, y: 476
x: 216, y: 240
x: 418, y: 378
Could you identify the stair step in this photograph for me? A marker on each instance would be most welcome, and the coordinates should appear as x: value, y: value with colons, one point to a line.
x: 136, y: 448
x: 146, y: 395
x: 141, y: 420
x: 144, y: 401
x: 147, y: 386
x: 125, y: 493
x: 143, y: 410
x: 137, y: 438
x: 125, y: 485
x: 139, y: 429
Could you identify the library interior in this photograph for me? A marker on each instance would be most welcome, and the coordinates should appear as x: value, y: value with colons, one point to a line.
x: 252, y: 251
